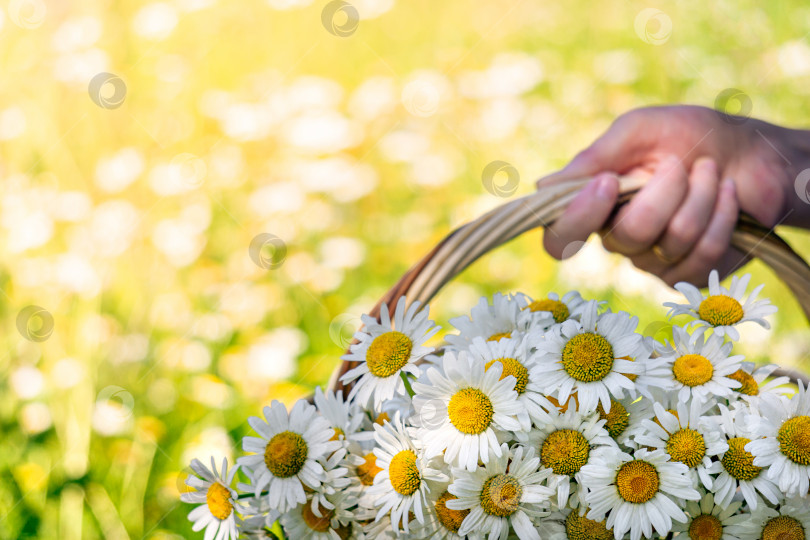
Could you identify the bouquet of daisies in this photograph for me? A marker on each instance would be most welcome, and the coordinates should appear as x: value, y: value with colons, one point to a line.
x: 540, y: 419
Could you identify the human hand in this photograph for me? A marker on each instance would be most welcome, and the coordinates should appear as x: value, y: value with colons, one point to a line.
x: 701, y: 170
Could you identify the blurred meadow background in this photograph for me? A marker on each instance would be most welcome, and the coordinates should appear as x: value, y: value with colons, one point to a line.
x: 200, y: 197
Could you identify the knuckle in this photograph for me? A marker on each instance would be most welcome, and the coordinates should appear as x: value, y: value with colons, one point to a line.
x: 682, y: 232
x: 632, y: 118
x: 711, y: 250
x: 636, y: 231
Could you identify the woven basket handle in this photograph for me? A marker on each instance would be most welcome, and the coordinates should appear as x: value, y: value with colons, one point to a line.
x: 467, y: 243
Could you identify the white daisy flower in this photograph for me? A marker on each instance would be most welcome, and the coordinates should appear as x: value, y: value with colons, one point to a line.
x: 709, y: 521
x: 493, y: 322
x: 784, y: 448
x: 790, y: 522
x: 515, y: 359
x: 320, y: 523
x: 402, y: 484
x: 286, y: 453
x: 560, y: 309
x: 638, y: 492
x: 385, y: 350
x: 755, y: 384
x: 723, y: 308
x: 212, y: 491
x: 686, y: 438
x: 506, y: 491
x: 464, y: 410
x: 589, y: 358
x: 699, y: 366
x: 343, y: 416
x: 738, y: 463
x: 566, y: 442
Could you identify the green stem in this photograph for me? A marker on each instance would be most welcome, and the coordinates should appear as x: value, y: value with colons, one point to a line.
x: 407, y: 383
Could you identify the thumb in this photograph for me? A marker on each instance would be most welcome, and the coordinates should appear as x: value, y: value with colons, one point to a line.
x: 586, y: 214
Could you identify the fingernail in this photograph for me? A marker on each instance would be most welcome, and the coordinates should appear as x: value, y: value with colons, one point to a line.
x: 728, y: 183
x: 709, y: 164
x: 604, y: 186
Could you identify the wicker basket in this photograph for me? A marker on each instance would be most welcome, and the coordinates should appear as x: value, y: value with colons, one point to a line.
x: 467, y: 243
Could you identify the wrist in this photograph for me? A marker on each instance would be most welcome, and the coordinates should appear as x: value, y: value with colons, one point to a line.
x: 797, y: 192
x: 784, y: 156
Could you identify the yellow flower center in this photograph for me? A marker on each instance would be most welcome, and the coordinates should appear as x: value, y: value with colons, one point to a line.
x: 565, y: 451
x: 749, y: 387
x: 500, y: 495
x: 558, y: 309
x: 587, y: 357
x: 705, y: 527
x: 218, y: 499
x: 318, y: 524
x: 637, y: 481
x: 783, y: 528
x: 285, y: 454
x: 692, y: 369
x: 617, y: 420
x: 470, y: 411
x: 368, y: 470
x: 403, y: 473
x: 338, y: 434
x: 499, y: 336
x: 388, y: 353
x: 514, y: 368
x: 451, y: 519
x: 794, y: 439
x: 720, y: 310
x: 581, y: 528
x: 739, y: 463
x: 687, y: 446
x: 382, y: 418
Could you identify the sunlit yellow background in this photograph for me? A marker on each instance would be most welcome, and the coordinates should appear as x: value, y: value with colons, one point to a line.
x: 128, y: 218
